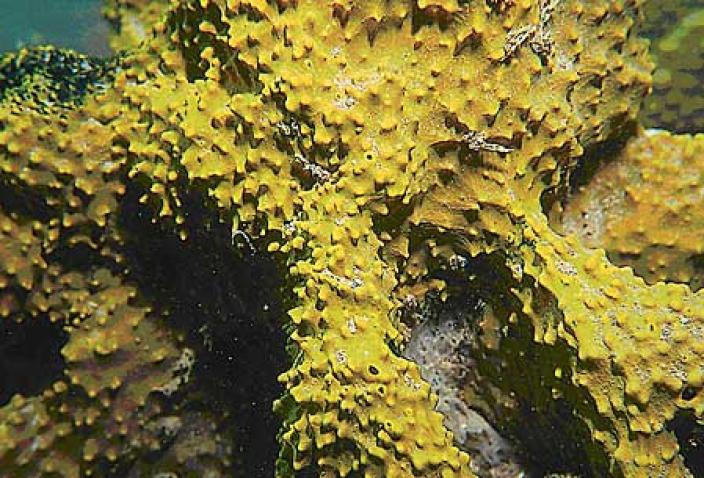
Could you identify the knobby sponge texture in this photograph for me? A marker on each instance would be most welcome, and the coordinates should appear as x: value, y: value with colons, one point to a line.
x: 364, y: 146
x: 132, y: 20
x: 642, y: 208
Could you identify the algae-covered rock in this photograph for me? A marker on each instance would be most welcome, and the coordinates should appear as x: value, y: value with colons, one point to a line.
x: 247, y: 169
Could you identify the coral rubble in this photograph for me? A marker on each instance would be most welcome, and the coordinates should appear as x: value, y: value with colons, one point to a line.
x: 351, y: 162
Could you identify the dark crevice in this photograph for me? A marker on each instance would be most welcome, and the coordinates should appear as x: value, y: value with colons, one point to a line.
x: 600, y: 154
x: 228, y: 303
x: 81, y: 257
x: 538, y: 413
x: 27, y: 202
x: 697, y: 281
x: 596, y: 157
x: 690, y: 437
x: 393, y: 220
x: 30, y: 356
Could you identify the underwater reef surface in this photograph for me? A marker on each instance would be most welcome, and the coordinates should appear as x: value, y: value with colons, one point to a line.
x: 423, y: 238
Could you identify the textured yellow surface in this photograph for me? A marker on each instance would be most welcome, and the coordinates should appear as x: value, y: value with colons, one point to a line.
x: 364, y: 142
x: 133, y: 20
x: 643, y: 208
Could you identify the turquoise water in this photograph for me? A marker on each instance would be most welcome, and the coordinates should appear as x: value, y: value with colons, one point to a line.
x: 75, y: 24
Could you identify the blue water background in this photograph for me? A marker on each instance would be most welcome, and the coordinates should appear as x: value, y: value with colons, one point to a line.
x: 76, y: 24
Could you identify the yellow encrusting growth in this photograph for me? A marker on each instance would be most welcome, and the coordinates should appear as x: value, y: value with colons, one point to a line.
x: 363, y: 143
x: 643, y: 208
x: 133, y: 20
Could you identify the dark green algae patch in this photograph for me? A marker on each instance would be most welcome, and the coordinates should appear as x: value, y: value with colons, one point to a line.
x: 49, y: 78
